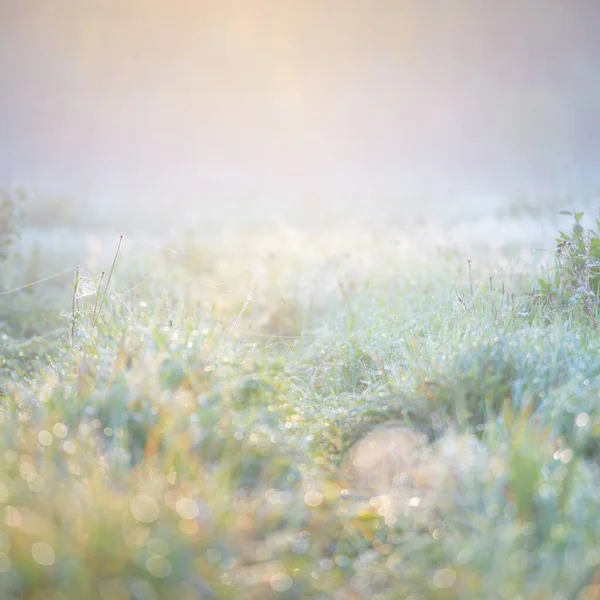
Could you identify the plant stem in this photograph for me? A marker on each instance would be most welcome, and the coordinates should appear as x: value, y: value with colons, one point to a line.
x: 97, y: 298
x: 471, y: 286
x: 109, y: 278
x: 75, y: 286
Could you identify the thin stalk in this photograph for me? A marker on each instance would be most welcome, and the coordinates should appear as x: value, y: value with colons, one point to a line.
x: 471, y: 286
x: 493, y: 303
x: 97, y: 298
x: 109, y: 278
x: 75, y: 286
x: 242, y: 310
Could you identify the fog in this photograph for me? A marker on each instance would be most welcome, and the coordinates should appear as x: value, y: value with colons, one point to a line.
x: 289, y: 101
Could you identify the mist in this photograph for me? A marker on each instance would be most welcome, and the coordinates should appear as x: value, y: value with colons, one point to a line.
x: 248, y: 103
x: 299, y: 299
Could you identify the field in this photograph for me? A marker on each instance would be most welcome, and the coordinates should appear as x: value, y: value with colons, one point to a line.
x: 388, y: 408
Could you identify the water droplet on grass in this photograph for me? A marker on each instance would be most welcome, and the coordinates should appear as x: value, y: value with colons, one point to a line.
x: 281, y: 582
x: 144, y: 509
x: 159, y: 566
x: 313, y: 498
x: 43, y: 554
x: 187, y: 508
x: 45, y: 438
x: 443, y: 579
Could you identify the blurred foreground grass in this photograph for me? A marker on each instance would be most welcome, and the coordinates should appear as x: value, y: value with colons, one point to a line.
x: 194, y: 443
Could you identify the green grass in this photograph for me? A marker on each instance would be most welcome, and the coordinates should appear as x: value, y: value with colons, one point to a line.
x: 191, y: 445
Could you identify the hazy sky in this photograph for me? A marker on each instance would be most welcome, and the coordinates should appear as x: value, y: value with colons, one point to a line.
x: 247, y: 96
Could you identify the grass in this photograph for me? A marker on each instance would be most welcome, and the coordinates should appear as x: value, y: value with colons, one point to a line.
x: 184, y: 434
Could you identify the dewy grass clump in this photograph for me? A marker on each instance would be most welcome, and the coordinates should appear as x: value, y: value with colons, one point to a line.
x: 308, y: 421
x: 513, y: 371
x: 576, y: 278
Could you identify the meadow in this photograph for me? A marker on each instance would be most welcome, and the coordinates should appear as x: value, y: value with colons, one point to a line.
x: 403, y: 408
